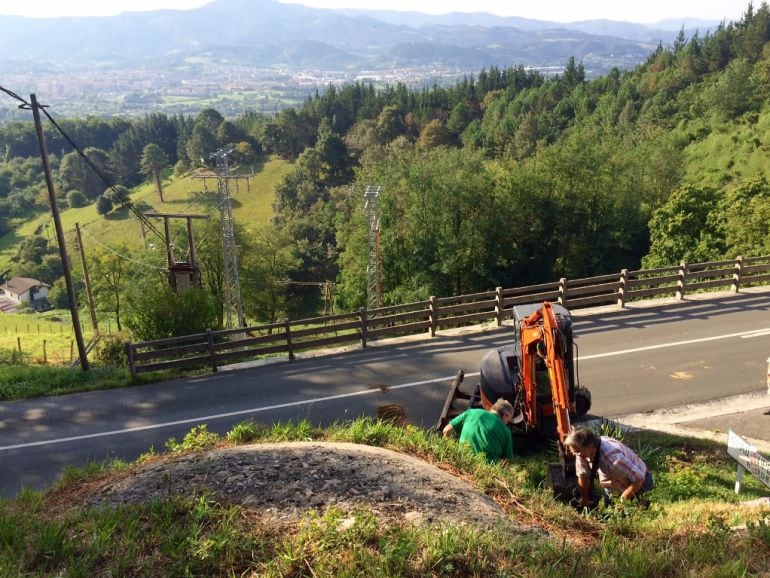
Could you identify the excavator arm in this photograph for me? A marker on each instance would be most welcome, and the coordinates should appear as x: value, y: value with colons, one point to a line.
x: 542, y: 327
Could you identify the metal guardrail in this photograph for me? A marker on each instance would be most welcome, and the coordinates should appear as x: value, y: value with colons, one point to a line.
x: 215, y: 348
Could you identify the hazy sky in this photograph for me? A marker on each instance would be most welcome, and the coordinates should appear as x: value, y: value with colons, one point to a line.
x: 555, y: 10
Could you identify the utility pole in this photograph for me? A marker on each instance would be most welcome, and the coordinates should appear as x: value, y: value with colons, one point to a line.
x: 65, y: 260
x: 87, y: 281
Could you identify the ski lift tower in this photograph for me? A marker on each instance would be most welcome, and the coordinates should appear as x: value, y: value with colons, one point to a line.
x: 233, y: 306
x: 373, y: 266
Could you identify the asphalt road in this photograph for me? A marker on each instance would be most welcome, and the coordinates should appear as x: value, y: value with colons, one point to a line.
x: 635, y: 360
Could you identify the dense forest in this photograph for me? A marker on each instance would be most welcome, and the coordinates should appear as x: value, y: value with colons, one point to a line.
x: 506, y: 178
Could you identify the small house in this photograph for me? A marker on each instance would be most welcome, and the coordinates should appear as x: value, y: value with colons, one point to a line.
x: 27, y: 290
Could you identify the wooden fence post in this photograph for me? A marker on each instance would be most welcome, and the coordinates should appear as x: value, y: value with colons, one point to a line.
x: 433, y: 315
x: 681, y: 282
x: 130, y: 355
x: 18, y: 342
x: 623, y: 288
x: 289, y: 345
x: 362, y: 319
x: 45, y: 354
x: 212, y: 353
x: 499, y: 305
x: 737, y: 274
x: 563, y: 291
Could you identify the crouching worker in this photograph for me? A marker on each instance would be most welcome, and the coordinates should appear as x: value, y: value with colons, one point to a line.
x: 620, y: 470
x: 485, y: 431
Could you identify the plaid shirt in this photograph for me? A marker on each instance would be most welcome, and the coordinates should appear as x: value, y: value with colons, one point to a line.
x: 619, y: 466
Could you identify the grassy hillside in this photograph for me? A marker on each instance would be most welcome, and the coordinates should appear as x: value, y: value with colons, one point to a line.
x: 252, y: 205
x: 695, y: 526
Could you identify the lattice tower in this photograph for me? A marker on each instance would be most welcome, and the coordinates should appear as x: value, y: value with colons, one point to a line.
x: 233, y: 306
x: 373, y: 266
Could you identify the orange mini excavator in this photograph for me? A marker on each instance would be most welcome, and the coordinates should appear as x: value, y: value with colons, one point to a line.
x: 537, y: 375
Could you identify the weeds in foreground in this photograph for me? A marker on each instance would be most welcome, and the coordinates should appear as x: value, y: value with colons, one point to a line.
x: 197, y: 439
x: 694, y: 526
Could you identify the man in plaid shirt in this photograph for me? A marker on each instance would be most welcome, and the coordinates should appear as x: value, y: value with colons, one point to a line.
x: 619, y: 469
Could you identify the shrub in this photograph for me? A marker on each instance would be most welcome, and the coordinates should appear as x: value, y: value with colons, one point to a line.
x: 76, y: 199
x: 111, y: 352
x: 181, y: 168
x: 118, y: 194
x: 161, y: 313
x: 103, y: 205
x: 57, y: 295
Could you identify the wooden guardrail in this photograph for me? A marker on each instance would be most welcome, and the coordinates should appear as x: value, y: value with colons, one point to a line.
x: 215, y: 348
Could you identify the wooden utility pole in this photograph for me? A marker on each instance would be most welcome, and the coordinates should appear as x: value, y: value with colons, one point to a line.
x: 65, y: 260
x: 87, y: 281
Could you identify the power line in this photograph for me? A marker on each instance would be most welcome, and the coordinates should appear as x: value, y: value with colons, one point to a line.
x: 123, y: 199
x: 106, y: 247
x: 24, y: 103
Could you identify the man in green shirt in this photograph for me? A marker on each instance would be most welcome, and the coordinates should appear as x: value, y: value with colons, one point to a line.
x: 485, y: 431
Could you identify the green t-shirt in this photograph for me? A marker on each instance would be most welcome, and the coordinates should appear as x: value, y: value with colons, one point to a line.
x: 485, y: 432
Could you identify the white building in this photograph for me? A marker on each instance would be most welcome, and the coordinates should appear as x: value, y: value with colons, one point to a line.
x: 26, y: 290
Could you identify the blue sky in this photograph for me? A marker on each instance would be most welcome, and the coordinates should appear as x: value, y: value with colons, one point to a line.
x: 556, y: 10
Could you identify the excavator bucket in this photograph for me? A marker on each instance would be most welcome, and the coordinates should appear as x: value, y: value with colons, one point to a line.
x: 561, y: 477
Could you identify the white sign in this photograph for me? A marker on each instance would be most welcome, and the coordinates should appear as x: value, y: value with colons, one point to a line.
x: 748, y: 458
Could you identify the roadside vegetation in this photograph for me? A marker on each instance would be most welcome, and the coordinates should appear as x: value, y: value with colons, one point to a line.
x: 20, y: 381
x: 695, y: 526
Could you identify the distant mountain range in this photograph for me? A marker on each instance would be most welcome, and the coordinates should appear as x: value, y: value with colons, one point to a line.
x: 265, y: 33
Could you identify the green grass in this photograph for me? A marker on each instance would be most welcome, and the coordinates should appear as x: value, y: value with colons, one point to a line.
x: 44, y: 338
x: 24, y: 382
x: 695, y: 526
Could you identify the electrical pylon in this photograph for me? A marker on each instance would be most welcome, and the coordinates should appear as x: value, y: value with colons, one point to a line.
x: 373, y: 266
x: 233, y: 306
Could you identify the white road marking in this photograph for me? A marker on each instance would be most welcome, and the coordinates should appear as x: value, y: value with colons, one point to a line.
x: 759, y: 333
x: 197, y: 420
x: 742, y: 334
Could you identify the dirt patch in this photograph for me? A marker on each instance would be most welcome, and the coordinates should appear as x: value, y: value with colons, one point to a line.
x: 284, y: 481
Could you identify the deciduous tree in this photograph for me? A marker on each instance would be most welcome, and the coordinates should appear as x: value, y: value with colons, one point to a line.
x: 110, y: 272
